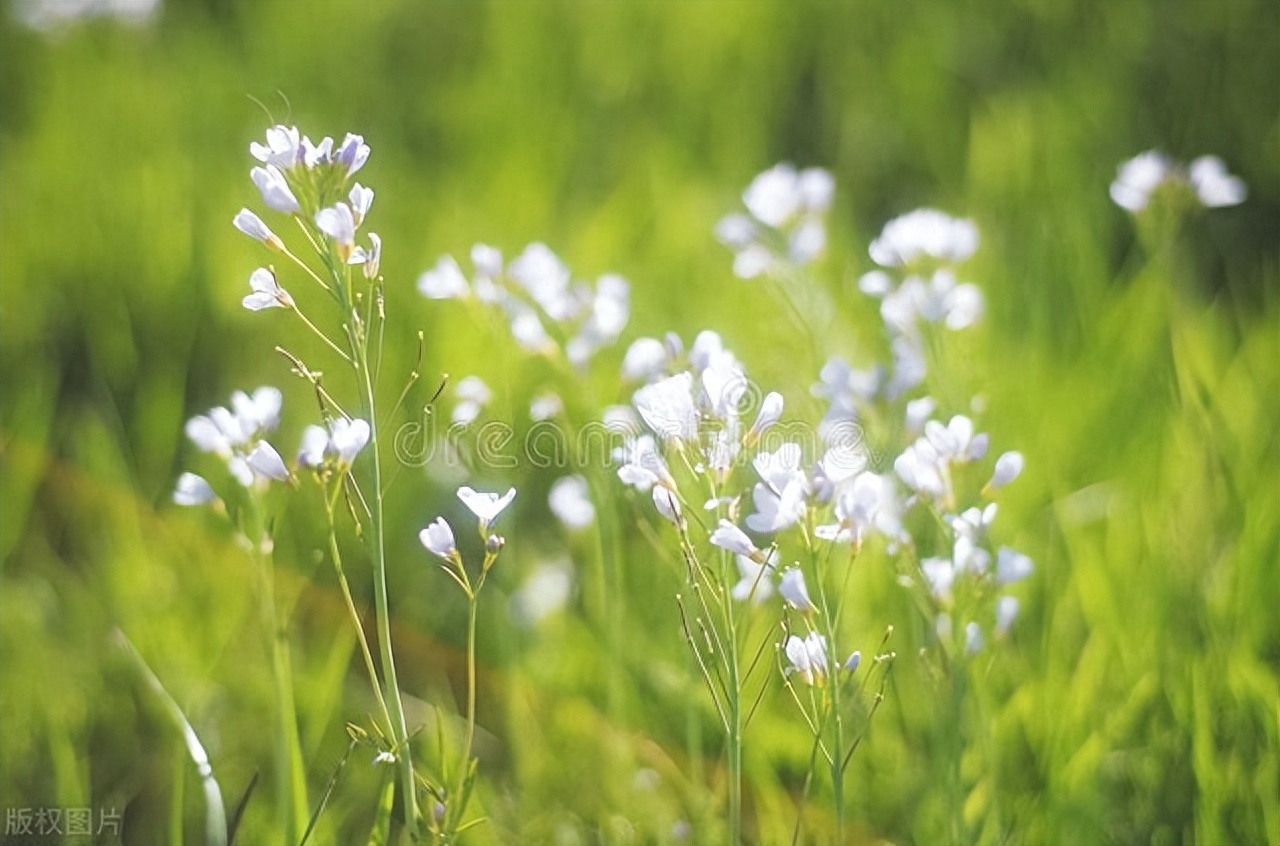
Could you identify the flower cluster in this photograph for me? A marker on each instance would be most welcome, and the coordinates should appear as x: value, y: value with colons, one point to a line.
x: 785, y: 222
x: 238, y: 436
x: 1140, y: 178
x: 312, y: 183
x: 547, y: 309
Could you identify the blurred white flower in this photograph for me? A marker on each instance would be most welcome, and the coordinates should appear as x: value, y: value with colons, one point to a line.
x: 339, y: 224
x: 924, y: 233
x: 784, y: 205
x: 939, y: 573
x: 1214, y: 185
x: 48, y: 14
x: 545, y: 592
x: 437, y: 537
x: 486, y: 506
x: 645, y: 359
x: 570, y: 501
x: 193, y: 490
x: 267, y: 292
x: 642, y: 466
x: 918, y: 413
x: 1012, y: 566
x: 794, y: 591
x: 545, y: 406
x: 473, y: 395
x: 1137, y: 179
x: 769, y: 414
x: 667, y: 504
x: 780, y: 496
x: 667, y: 407
x: 444, y: 282
x: 1008, y: 468
x: 1006, y: 613
x: 729, y: 537
x: 973, y: 640
x: 266, y: 463
x: 754, y: 581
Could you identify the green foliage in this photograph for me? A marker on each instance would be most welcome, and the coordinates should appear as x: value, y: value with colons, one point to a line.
x: 1135, y: 701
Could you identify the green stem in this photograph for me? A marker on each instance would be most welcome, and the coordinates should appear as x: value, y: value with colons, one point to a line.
x: 291, y: 788
x: 399, y: 729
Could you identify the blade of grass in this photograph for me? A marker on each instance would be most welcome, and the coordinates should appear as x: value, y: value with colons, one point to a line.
x: 215, y: 814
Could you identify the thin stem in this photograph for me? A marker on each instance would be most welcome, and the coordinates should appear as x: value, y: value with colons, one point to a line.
x: 322, y: 336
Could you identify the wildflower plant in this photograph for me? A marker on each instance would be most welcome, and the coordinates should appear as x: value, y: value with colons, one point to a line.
x: 311, y: 187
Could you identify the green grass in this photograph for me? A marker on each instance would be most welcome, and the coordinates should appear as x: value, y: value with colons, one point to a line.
x: 1136, y: 701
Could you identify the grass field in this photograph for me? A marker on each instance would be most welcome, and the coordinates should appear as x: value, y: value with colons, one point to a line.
x: 1134, y: 360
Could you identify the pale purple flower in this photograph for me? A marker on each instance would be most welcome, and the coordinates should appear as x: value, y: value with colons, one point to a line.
x: 1012, y: 566
x: 338, y: 223
x: 668, y: 505
x: 352, y: 154
x: 769, y: 414
x: 1006, y: 613
x: 361, y: 199
x: 265, y: 462
x: 939, y: 574
x: 729, y: 537
x: 973, y: 640
x: 645, y: 359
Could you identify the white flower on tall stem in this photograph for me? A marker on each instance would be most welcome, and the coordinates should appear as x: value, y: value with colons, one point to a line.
x: 808, y: 657
x: 437, y: 537
x: 780, y: 497
x: 267, y: 292
x: 869, y: 503
x: 486, y: 506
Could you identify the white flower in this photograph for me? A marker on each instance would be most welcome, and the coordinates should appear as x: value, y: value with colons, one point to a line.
x: 1008, y: 468
x: 609, y: 310
x: 545, y: 591
x: 808, y: 657
x: 667, y: 407
x: 754, y: 581
x: 444, y: 282
x: 266, y: 463
x: 252, y: 225
x: 956, y: 441
x: 486, y: 506
x: 645, y: 359
x: 1213, y: 184
x: 794, y: 590
x: 772, y: 197
x: 778, y: 509
x: 1006, y: 613
x: 283, y: 148
x: 316, y: 154
x: 257, y: 413
x: 853, y: 662
x: 939, y: 573
x: 924, y: 233
x: 869, y: 503
x: 438, y: 539
x: 267, y: 292
x: 769, y: 414
x: 352, y: 154
x: 1012, y: 566
x: 1137, y: 179
x: 361, y: 199
x: 193, y: 490
x: 643, y: 467
x: 384, y: 757
x: 707, y: 346
x: 473, y: 395
x: 723, y: 383
x: 347, y: 438
x: 275, y: 189
x: 546, y: 278
x: 923, y: 470
x: 545, y: 406
x: 339, y: 224
x: 315, y: 442
x: 371, y: 258
x: 667, y: 504
x: 729, y: 537
x: 909, y: 368
x: 918, y: 413
x: 570, y: 501
x: 973, y: 640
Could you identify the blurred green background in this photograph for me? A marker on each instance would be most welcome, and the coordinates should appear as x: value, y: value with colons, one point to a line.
x: 1137, y: 700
